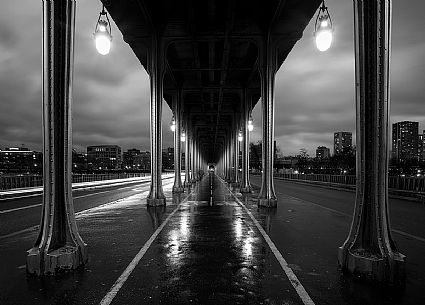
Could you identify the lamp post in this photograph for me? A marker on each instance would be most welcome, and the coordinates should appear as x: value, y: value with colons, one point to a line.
x: 323, y: 30
x: 102, y: 33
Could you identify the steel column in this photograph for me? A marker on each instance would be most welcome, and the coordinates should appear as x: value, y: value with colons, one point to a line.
x: 267, y: 196
x: 59, y: 245
x: 236, y: 157
x: 177, y: 187
x: 245, y: 184
x: 186, y: 158
x: 156, y: 74
x: 370, y: 251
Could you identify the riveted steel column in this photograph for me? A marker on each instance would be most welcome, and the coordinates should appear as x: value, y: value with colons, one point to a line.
x: 267, y: 196
x: 186, y: 159
x: 229, y: 158
x: 156, y: 74
x: 236, y: 157
x: 245, y: 185
x: 370, y: 251
x: 177, y: 187
x: 59, y: 245
x: 192, y: 157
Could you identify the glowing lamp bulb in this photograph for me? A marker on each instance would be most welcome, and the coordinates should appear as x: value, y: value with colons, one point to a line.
x: 250, y: 125
x: 103, y: 43
x: 323, y: 40
x: 183, y: 138
x: 323, y: 34
x: 240, y: 137
x: 173, y: 125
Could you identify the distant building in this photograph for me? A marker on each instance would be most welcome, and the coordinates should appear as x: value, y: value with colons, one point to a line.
x: 79, y: 161
x: 104, y: 157
x: 168, y: 158
x: 143, y: 161
x: 405, y: 140
x: 323, y: 152
x: 128, y: 158
x: 343, y: 143
x: 255, y: 156
x: 421, y: 146
x: 20, y: 160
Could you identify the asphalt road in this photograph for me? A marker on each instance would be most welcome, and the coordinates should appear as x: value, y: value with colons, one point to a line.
x: 23, y: 211
x: 406, y: 216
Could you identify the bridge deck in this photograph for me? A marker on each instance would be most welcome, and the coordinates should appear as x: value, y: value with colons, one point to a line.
x: 209, y: 247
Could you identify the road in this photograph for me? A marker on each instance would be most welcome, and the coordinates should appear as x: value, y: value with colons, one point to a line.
x: 23, y: 211
x: 406, y: 216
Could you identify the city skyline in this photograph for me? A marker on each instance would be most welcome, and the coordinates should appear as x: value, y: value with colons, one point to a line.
x: 314, y: 91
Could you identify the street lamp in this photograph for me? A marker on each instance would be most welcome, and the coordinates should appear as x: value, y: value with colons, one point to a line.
x: 240, y: 137
x: 250, y: 123
x: 323, y: 30
x: 173, y: 124
x: 102, y: 33
x: 183, y: 136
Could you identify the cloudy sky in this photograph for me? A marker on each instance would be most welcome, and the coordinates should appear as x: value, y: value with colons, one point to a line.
x: 314, y: 90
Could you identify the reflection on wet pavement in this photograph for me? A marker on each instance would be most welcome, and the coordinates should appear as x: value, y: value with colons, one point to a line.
x: 210, y: 252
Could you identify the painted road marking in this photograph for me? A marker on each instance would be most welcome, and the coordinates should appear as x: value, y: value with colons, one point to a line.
x: 350, y: 216
x: 299, y: 288
x: 108, y: 298
x: 76, y: 197
x: 21, y: 208
x: 79, y: 187
x: 20, y: 197
x: 33, y: 228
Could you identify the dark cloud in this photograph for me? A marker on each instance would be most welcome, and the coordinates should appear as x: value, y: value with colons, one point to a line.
x: 314, y: 90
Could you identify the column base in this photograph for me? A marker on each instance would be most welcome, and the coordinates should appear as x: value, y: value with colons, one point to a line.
x: 65, y: 258
x: 178, y: 189
x: 154, y: 202
x: 370, y: 267
x: 246, y: 190
x: 267, y: 203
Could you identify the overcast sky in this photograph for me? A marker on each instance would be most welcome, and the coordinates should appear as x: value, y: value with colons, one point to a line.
x: 314, y: 90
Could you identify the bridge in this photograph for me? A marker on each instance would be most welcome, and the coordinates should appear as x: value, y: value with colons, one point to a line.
x: 211, y: 62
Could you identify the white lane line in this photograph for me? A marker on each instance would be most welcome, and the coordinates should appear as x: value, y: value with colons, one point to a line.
x: 21, y: 208
x: 350, y: 216
x: 107, y: 299
x: 408, y: 235
x: 299, y: 288
x: 76, y: 214
x: 20, y: 197
x: 77, y: 187
x: 33, y: 228
x: 76, y: 197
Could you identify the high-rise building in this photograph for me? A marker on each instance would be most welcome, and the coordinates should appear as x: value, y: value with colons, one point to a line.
x: 143, y: 161
x: 128, y: 158
x: 343, y: 143
x: 104, y: 157
x: 323, y: 152
x: 20, y: 160
x: 405, y: 140
x: 421, y: 146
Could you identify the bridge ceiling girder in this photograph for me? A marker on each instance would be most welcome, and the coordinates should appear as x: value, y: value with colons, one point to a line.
x: 212, y: 50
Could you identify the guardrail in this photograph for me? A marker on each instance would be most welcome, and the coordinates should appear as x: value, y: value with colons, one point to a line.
x: 412, y: 184
x: 13, y: 182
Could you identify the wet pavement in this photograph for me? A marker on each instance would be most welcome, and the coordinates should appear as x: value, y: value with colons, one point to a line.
x: 205, y: 247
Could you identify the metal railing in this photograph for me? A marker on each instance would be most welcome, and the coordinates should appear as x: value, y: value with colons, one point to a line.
x: 23, y: 181
x: 411, y: 184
